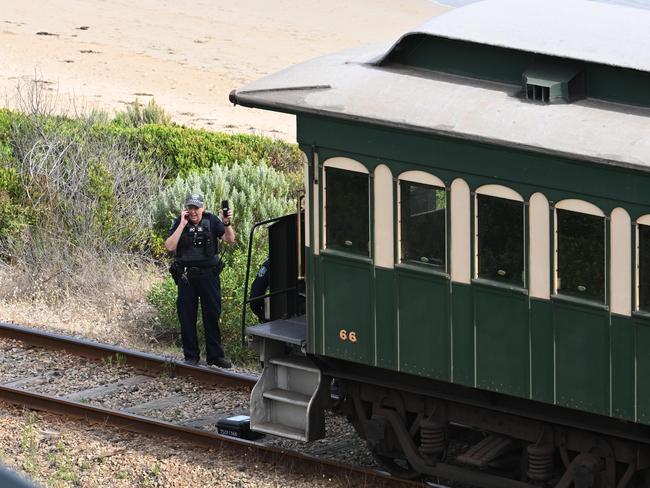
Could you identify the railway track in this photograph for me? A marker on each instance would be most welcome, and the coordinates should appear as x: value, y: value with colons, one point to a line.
x: 126, y: 372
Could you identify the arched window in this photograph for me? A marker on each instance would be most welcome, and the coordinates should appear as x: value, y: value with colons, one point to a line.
x: 499, y: 235
x: 580, y: 250
x: 643, y: 263
x: 346, y: 206
x: 422, y: 234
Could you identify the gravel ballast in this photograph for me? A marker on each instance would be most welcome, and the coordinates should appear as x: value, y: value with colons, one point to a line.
x: 60, y: 452
x: 178, y: 400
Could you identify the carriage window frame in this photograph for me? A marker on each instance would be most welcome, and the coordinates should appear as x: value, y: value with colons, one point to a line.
x: 352, y: 166
x: 504, y: 193
x: 641, y: 221
x: 586, y: 208
x: 422, y: 178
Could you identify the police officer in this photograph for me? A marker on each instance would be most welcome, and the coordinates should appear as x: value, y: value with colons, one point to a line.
x: 258, y: 289
x: 194, y: 238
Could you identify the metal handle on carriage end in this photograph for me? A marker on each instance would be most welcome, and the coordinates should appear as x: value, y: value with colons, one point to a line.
x: 299, y: 242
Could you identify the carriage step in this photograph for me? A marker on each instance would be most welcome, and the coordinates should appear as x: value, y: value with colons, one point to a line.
x: 486, y: 451
x: 295, y: 362
x: 280, y: 431
x: 289, y: 398
x: 286, y: 396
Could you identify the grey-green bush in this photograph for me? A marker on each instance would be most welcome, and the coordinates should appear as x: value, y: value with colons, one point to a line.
x: 254, y: 192
x: 84, y: 199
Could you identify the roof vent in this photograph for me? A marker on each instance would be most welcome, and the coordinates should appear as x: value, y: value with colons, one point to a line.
x: 553, y: 83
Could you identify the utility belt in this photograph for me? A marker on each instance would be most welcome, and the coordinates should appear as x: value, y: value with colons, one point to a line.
x: 181, y: 272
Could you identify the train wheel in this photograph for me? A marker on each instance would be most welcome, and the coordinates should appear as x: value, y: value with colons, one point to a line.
x: 391, y: 457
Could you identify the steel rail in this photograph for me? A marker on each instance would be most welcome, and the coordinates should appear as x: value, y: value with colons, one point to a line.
x: 294, y: 461
x: 146, y: 362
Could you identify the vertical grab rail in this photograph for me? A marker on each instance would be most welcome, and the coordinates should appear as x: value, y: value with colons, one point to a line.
x: 246, y: 300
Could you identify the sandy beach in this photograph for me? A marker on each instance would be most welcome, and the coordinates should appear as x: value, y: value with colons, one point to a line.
x: 187, y: 55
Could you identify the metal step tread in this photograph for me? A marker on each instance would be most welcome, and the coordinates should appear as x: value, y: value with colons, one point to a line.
x: 295, y: 362
x: 286, y: 396
x: 280, y: 431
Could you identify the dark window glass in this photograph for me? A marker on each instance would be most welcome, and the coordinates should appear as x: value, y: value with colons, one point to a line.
x: 500, y: 239
x: 347, y: 211
x: 581, y: 255
x: 423, y: 223
x: 644, y: 267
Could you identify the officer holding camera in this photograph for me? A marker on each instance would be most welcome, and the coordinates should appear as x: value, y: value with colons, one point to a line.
x: 194, y: 240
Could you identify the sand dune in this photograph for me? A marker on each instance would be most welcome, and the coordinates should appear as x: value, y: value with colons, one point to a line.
x: 188, y: 54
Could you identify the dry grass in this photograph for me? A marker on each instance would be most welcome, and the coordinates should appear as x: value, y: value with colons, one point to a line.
x: 115, y: 310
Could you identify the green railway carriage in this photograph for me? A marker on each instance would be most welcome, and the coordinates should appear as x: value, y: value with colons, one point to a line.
x: 477, y: 239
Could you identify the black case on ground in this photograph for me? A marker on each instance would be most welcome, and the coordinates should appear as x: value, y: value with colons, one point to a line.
x: 237, y: 426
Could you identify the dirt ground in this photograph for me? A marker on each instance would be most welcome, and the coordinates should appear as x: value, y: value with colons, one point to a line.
x: 188, y: 55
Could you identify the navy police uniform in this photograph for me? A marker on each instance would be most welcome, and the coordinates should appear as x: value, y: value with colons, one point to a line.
x: 258, y: 289
x: 197, y: 271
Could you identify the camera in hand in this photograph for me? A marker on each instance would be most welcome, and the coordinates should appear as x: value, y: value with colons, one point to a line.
x: 224, y: 207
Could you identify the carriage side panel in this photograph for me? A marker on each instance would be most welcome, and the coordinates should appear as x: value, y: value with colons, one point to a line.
x: 424, y: 324
x: 582, y: 357
x: 502, y: 348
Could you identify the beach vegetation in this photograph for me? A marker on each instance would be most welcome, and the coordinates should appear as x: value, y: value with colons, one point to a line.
x: 137, y: 114
x: 87, y: 201
x: 180, y: 150
x: 256, y: 192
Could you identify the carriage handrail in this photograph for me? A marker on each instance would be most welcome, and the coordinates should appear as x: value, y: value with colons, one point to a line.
x: 245, y: 300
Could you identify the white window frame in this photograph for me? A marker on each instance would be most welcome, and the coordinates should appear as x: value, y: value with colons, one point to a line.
x: 346, y: 164
x: 578, y: 206
x: 498, y: 191
x: 643, y: 220
x: 423, y: 178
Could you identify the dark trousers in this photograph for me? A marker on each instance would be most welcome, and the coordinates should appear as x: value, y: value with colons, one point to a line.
x: 205, y: 287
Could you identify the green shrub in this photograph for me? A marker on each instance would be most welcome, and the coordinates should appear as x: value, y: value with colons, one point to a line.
x: 82, y: 196
x: 11, y: 222
x: 232, y: 293
x: 6, y: 116
x: 137, y: 115
x: 72, y: 195
x: 13, y: 215
x: 163, y: 298
x: 181, y: 150
x: 6, y: 152
x: 176, y: 150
